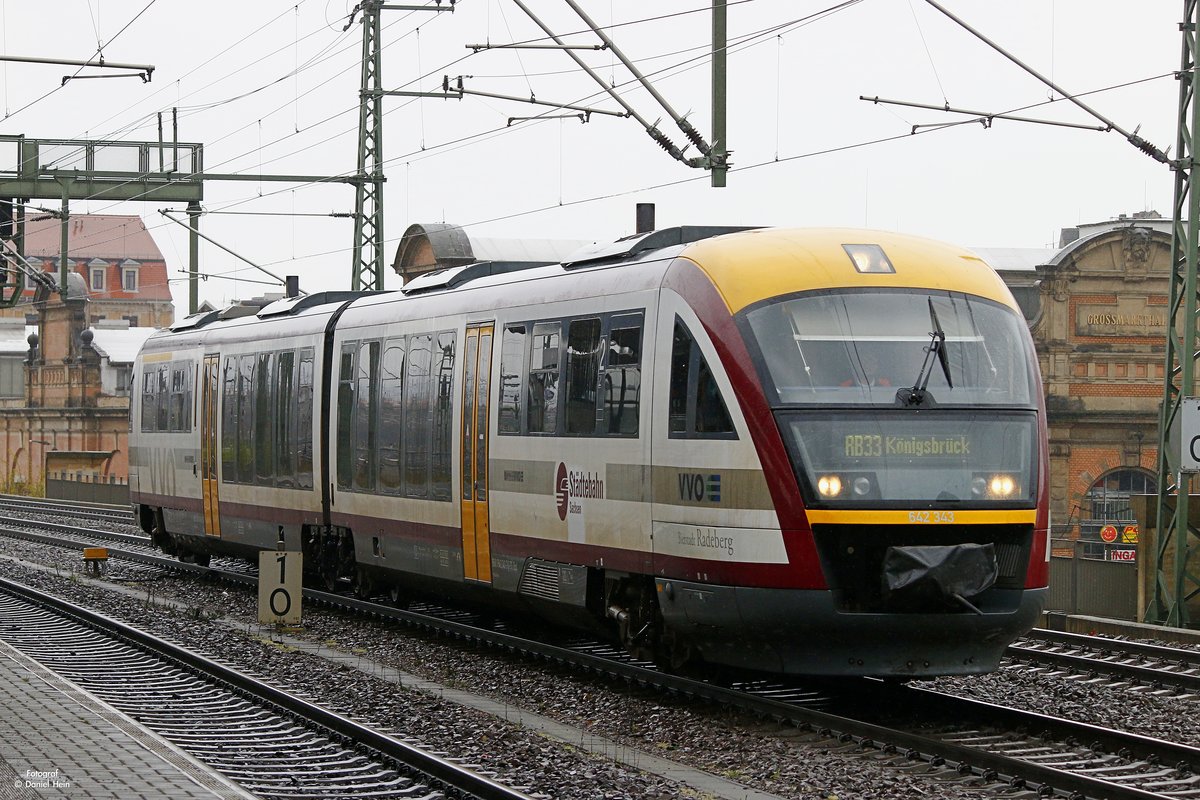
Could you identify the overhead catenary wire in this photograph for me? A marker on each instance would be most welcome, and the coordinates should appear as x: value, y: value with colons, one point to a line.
x: 745, y: 41
x: 136, y: 17
x: 692, y: 178
x: 426, y: 150
x: 430, y: 152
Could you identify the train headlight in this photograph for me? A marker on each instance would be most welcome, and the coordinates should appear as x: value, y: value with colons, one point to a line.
x: 861, y: 486
x: 1001, y: 485
x: 829, y: 485
x: 869, y: 258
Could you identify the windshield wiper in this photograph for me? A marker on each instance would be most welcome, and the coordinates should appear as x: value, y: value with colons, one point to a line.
x: 937, y: 346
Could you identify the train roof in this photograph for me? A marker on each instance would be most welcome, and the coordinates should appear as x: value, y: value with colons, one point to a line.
x: 747, y: 265
x: 754, y: 265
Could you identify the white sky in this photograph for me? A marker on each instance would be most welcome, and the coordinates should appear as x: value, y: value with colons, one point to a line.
x: 794, y: 118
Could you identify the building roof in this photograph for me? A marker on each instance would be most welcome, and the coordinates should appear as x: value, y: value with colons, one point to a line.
x: 14, y: 336
x: 1015, y: 259
x: 108, y: 236
x: 119, y: 345
x: 106, y: 241
x: 439, y: 245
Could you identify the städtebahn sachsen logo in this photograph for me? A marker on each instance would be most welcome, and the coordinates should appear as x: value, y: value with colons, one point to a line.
x: 561, y: 490
x: 575, y: 485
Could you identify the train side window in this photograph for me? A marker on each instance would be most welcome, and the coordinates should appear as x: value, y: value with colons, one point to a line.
x: 189, y: 375
x: 417, y: 428
x: 623, y: 376
x: 681, y: 360
x: 345, y: 438
x: 189, y: 402
x: 443, y: 418
x: 695, y: 406
x: 711, y: 414
x: 245, y: 450
x: 175, y: 409
x: 583, y: 373
x: 229, y: 421
x: 543, y: 378
x: 365, y: 416
x: 512, y: 377
x: 162, y: 418
x: 264, y: 420
x: 304, y: 421
x: 391, y: 417
x: 149, y: 398
x: 284, y: 419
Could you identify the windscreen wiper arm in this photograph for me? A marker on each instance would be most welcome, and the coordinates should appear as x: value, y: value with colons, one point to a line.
x: 937, y: 346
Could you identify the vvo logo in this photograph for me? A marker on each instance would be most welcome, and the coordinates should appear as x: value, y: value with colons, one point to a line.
x: 697, y: 488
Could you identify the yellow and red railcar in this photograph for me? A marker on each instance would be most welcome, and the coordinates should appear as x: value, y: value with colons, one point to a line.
x: 803, y: 451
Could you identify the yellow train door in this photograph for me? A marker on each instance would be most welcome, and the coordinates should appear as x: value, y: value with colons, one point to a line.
x: 477, y: 376
x: 209, y: 385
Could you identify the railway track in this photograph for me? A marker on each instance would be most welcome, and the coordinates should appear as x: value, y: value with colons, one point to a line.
x: 1153, y: 667
x: 271, y: 743
x: 994, y: 744
x: 66, y: 508
x: 1139, y: 664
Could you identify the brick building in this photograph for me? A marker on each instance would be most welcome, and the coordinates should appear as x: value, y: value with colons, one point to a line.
x: 66, y: 361
x: 1097, y: 308
x: 122, y: 268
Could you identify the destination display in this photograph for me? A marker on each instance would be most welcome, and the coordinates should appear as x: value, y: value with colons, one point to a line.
x: 929, y: 456
x: 877, y: 445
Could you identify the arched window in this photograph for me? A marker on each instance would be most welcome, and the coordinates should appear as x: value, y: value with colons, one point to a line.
x: 1107, y: 501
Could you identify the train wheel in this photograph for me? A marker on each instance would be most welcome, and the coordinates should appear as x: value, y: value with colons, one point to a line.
x: 672, y: 655
x: 364, y: 584
x: 398, y: 596
x: 192, y: 557
x: 329, y: 577
x: 161, y: 537
x: 633, y: 605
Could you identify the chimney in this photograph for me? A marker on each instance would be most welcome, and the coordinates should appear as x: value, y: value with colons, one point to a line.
x: 645, y: 217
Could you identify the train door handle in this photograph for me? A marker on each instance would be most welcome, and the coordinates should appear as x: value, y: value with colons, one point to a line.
x: 193, y: 470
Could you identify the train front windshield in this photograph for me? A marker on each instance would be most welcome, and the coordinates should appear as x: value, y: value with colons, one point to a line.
x: 839, y: 368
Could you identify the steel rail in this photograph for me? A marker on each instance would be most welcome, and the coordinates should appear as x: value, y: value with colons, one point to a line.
x: 1178, y: 655
x: 849, y: 730
x: 447, y: 773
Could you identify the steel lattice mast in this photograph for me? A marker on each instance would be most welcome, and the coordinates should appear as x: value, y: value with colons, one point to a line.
x: 367, y: 270
x: 1174, y: 585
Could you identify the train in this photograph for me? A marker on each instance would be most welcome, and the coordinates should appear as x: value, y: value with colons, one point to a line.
x: 797, y: 451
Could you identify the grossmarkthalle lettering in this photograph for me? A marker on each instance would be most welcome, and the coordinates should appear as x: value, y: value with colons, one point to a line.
x: 1127, y: 320
x: 921, y: 446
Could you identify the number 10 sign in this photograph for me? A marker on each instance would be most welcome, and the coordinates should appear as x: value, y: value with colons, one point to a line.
x: 279, y: 589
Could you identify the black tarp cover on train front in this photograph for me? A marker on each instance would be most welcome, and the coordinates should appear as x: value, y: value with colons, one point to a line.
x: 929, y: 573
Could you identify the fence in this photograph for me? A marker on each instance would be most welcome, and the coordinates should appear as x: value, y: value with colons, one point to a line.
x: 87, y: 487
x: 1086, y: 580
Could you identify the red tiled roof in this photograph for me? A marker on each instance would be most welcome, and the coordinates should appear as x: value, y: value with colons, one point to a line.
x: 111, y: 238
x: 107, y: 236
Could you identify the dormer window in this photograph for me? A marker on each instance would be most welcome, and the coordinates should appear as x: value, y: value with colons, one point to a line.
x: 97, y: 268
x: 129, y: 275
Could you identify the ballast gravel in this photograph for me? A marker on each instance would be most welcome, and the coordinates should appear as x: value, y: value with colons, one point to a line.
x: 768, y: 757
